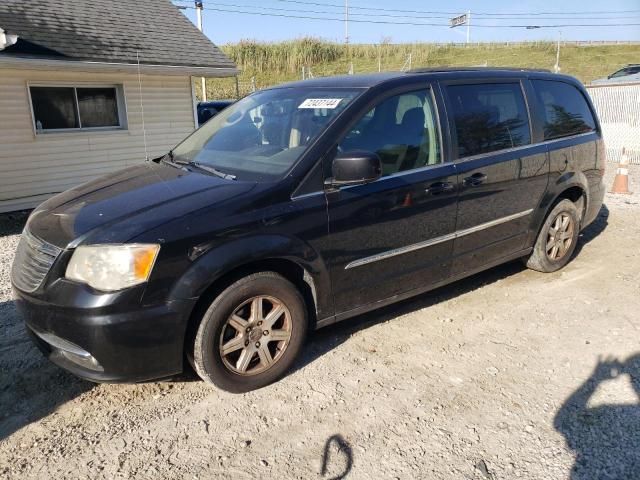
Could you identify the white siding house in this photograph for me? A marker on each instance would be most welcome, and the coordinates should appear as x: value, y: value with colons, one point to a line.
x: 65, y: 121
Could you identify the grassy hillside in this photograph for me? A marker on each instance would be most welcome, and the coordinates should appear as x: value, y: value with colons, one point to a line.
x: 272, y: 63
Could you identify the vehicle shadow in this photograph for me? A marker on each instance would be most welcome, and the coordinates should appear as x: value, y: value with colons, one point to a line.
x: 31, y: 387
x: 326, y: 339
x: 337, y: 454
x: 604, y: 438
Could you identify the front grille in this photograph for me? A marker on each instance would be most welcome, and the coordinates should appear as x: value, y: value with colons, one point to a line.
x: 33, y: 260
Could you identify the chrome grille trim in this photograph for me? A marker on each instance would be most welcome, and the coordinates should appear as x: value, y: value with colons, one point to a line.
x: 33, y: 260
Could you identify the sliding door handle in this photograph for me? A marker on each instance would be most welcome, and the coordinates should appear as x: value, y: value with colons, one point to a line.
x: 474, y: 180
x: 440, y: 187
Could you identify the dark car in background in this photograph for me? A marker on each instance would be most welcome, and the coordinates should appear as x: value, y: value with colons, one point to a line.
x: 630, y: 69
x: 303, y: 205
x: 630, y: 72
x: 208, y: 110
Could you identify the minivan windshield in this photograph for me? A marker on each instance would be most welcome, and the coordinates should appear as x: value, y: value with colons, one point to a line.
x: 260, y: 137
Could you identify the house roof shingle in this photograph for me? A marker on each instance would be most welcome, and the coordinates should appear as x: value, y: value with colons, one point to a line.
x: 108, y: 31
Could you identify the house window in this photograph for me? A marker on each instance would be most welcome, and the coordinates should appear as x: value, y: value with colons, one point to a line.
x: 75, y: 108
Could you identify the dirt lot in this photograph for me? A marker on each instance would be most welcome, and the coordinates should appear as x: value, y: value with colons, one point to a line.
x: 508, y: 374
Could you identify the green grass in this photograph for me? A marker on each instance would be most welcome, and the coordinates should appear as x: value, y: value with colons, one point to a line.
x: 273, y: 63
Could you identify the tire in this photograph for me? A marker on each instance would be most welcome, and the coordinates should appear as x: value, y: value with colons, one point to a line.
x: 561, y: 247
x: 236, y: 348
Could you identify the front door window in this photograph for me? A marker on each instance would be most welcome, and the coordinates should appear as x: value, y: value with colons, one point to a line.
x: 402, y: 130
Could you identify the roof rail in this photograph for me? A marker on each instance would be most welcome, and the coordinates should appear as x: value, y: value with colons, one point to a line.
x: 474, y: 69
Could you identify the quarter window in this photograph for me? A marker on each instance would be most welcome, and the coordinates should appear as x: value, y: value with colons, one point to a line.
x: 402, y: 130
x: 566, y: 111
x: 489, y: 117
x: 69, y: 108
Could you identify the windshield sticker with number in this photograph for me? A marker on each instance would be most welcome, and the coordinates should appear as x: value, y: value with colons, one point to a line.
x: 329, y: 103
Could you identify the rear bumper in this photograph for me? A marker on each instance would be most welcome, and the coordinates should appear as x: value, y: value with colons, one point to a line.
x: 130, y: 345
x: 595, y: 200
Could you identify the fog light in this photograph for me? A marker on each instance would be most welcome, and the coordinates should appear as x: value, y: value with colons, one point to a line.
x: 87, y: 361
x: 71, y: 351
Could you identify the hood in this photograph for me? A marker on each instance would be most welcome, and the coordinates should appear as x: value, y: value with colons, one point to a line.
x: 122, y: 205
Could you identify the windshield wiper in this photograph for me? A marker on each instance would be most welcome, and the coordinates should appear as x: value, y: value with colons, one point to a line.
x: 173, y: 160
x: 215, y: 171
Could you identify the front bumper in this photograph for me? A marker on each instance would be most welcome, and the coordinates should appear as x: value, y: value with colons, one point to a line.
x: 126, y: 343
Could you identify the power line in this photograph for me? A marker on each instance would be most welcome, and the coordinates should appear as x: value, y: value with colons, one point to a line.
x: 389, y: 15
x: 321, y: 12
x: 301, y: 2
x: 435, y: 12
x: 419, y: 24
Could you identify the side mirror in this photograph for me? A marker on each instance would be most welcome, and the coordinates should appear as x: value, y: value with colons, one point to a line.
x: 355, y: 167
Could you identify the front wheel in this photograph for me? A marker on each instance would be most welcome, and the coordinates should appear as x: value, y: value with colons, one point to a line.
x: 251, y: 334
x: 557, y: 239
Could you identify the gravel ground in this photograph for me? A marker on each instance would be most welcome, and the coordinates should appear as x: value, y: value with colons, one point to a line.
x: 508, y: 374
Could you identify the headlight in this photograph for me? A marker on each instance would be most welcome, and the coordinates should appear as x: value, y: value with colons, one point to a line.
x: 112, y: 267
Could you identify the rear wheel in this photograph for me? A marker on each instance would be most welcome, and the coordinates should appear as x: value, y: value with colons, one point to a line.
x: 251, y: 334
x: 557, y: 239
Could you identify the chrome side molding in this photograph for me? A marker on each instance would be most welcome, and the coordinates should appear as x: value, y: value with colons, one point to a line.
x: 434, y: 241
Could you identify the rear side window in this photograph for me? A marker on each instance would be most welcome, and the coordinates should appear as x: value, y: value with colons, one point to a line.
x: 566, y: 111
x: 489, y: 117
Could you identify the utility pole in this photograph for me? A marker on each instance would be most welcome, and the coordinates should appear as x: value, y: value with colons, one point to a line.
x: 556, y: 67
x: 199, y: 17
x: 468, y: 25
x: 346, y: 22
x: 346, y: 34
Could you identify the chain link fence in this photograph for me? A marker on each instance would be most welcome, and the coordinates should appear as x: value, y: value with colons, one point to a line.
x: 618, y: 108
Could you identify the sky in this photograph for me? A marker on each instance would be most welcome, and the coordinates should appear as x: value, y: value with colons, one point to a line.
x: 226, y: 27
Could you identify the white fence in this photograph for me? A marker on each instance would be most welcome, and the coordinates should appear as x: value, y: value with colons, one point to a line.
x: 618, y: 107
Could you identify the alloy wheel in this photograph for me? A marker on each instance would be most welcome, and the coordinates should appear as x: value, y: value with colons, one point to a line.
x: 255, y: 335
x: 560, y: 236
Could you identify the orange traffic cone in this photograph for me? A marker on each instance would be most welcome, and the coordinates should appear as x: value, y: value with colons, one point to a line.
x: 621, y: 182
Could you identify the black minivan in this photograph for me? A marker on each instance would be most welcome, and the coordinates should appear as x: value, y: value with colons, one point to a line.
x: 303, y: 205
